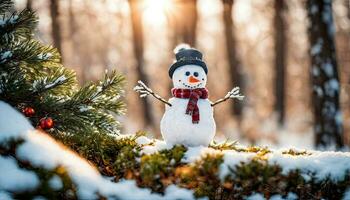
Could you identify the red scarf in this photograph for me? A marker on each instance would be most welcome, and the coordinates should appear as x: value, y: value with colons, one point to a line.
x: 193, y: 95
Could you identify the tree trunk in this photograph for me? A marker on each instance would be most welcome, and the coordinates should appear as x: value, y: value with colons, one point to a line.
x: 347, y: 3
x: 55, y: 25
x: 29, y: 4
x: 324, y: 75
x: 235, y: 68
x: 280, y: 58
x: 184, y: 25
x: 190, y: 20
x: 138, y: 42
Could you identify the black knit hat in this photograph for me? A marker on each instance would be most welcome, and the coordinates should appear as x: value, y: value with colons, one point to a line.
x: 185, y: 55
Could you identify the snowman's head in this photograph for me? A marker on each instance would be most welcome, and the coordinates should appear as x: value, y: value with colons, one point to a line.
x: 189, y: 77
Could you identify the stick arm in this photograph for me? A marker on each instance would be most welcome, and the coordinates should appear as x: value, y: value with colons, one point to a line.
x: 144, y: 91
x: 233, y: 94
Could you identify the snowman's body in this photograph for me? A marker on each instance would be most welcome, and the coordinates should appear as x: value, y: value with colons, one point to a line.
x: 177, y: 127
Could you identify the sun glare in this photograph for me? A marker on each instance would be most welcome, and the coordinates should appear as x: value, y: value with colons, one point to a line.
x: 155, y: 11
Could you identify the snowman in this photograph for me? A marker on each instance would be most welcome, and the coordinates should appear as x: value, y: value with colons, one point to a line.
x: 188, y: 118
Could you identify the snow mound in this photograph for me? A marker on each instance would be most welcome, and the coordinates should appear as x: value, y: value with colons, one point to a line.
x: 42, y: 151
x: 321, y: 164
x: 12, y: 124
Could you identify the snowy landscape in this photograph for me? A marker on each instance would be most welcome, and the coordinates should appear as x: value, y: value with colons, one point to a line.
x: 42, y: 151
x: 174, y: 100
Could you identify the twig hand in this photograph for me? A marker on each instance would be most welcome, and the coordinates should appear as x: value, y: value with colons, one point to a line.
x: 233, y: 94
x: 144, y: 91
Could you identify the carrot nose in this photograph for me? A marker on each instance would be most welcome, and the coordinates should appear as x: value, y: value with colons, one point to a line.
x: 193, y: 80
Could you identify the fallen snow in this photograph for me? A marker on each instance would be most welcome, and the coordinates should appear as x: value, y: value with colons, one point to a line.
x: 256, y: 196
x: 290, y: 196
x: 13, y: 178
x: 156, y: 147
x: 232, y: 159
x: 143, y: 140
x: 43, y: 151
x: 5, y: 196
x: 347, y: 195
x: 195, y: 153
x: 322, y: 164
x: 12, y: 126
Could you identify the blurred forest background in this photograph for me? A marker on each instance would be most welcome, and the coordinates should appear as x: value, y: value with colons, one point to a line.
x: 265, y: 47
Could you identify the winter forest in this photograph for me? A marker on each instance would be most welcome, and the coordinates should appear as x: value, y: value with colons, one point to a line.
x: 260, y: 104
x: 261, y: 46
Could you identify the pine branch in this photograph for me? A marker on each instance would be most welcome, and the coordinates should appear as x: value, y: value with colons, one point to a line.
x: 145, y: 91
x: 5, y: 5
x: 31, y: 51
x: 17, y: 27
x: 52, y: 82
x: 104, y: 95
x: 233, y: 94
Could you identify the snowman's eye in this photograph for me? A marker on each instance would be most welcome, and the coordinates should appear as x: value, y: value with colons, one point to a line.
x: 187, y: 73
x: 196, y: 74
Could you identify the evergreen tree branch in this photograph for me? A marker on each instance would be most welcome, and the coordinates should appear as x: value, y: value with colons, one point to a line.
x: 17, y: 26
x: 31, y: 51
x: 5, y: 5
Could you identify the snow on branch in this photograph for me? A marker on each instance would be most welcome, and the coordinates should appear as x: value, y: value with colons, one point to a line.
x: 233, y: 94
x: 144, y: 91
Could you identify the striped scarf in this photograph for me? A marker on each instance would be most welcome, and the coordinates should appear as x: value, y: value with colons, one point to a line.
x: 193, y: 95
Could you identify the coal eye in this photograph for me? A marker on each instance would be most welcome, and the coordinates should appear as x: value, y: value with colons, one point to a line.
x: 196, y: 74
x: 187, y: 73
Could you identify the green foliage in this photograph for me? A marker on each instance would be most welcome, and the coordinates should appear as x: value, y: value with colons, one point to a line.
x: 31, y: 75
x: 161, y: 169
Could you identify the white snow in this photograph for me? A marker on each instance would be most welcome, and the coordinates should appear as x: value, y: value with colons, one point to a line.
x: 232, y: 159
x: 174, y: 192
x: 143, y: 140
x: 12, y: 123
x: 347, y: 194
x: 5, y: 196
x: 315, y: 71
x: 290, y: 196
x: 323, y: 164
x: 327, y: 67
x: 45, y: 56
x: 316, y: 49
x: 6, y: 54
x: 13, y: 178
x: 157, y: 146
x: 57, y: 81
x: 256, y: 196
x: 85, y: 108
x: 195, y: 153
x: 55, y: 182
x: 43, y: 151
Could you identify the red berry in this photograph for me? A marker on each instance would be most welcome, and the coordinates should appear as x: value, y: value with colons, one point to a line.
x: 28, y: 111
x: 46, y: 123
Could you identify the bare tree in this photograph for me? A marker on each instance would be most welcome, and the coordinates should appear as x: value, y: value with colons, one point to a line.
x: 235, y: 67
x: 184, y: 25
x: 280, y: 58
x: 135, y: 13
x: 29, y: 4
x: 347, y: 4
x: 55, y: 25
x: 324, y: 75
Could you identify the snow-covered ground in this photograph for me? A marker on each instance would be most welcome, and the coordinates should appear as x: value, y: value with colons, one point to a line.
x: 44, y: 152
